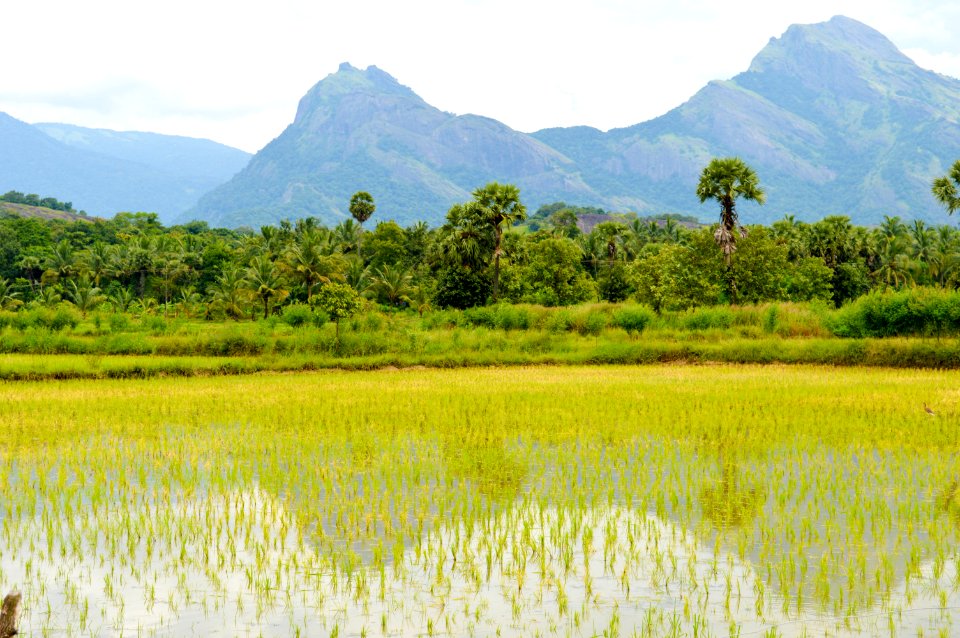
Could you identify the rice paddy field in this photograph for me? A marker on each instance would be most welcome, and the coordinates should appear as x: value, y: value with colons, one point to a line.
x: 716, y: 500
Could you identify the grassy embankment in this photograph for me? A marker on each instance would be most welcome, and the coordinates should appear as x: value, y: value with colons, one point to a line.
x: 107, y: 345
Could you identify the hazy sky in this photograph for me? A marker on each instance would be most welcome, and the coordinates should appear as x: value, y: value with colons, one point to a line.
x: 233, y: 71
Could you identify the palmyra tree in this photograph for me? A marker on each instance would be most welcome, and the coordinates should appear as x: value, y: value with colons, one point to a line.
x: 725, y: 180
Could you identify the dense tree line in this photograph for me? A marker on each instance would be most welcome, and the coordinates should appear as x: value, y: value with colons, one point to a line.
x: 32, y: 199
x: 483, y: 253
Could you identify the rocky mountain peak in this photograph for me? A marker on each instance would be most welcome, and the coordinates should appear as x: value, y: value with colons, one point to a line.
x: 350, y: 82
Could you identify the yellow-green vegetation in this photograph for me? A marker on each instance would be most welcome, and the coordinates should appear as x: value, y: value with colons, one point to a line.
x: 648, y: 501
x: 916, y: 329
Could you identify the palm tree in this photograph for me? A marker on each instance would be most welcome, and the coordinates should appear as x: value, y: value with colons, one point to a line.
x: 99, y: 261
x: 357, y: 275
x: 83, y: 295
x: 923, y: 247
x: 361, y: 208
x: 498, y: 204
x: 265, y: 281
x: 346, y: 236
x: 611, y: 236
x: 121, y: 299
x: 945, y: 188
x: 392, y: 283
x: 463, y: 241
x: 895, y: 266
x: 137, y: 260
x: 228, y: 291
x: 187, y: 300
x: 61, y: 262
x: 307, y: 263
x: 671, y: 231
x: 32, y: 266
x: 49, y: 296
x: 725, y: 180
x: 892, y: 227
x: 9, y: 298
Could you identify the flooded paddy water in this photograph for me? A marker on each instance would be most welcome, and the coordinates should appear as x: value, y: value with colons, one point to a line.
x: 647, y: 501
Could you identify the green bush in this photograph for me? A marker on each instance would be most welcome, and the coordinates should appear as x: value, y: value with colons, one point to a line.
x: 915, y: 311
x: 118, y: 322
x: 591, y: 322
x: 297, y: 315
x: 708, y: 318
x: 770, y: 316
x: 481, y: 316
x: 512, y: 317
x: 559, y: 321
x: 633, y: 319
x: 64, y: 317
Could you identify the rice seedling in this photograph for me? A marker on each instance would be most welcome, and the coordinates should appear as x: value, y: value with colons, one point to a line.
x: 670, y: 500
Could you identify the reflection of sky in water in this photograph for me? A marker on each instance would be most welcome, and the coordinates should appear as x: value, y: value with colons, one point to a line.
x: 239, y: 565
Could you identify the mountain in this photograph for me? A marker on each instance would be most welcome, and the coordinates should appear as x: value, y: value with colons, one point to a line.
x: 186, y: 156
x: 362, y: 130
x: 104, y: 172
x: 834, y: 119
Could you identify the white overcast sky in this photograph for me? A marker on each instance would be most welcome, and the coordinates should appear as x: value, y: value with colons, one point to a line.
x: 233, y: 71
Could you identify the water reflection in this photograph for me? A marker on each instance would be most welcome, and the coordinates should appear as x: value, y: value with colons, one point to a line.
x: 240, y: 565
x: 731, y: 501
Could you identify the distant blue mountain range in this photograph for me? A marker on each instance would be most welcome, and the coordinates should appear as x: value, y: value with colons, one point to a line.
x: 104, y: 172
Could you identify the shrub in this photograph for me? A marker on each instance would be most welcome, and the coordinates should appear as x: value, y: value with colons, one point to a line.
x: 633, y: 319
x: 63, y: 317
x: 917, y: 311
x: 707, y: 318
x: 559, y: 321
x: 297, y: 315
x: 481, y: 316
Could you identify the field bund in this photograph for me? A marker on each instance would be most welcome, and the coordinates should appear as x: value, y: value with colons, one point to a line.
x: 649, y: 500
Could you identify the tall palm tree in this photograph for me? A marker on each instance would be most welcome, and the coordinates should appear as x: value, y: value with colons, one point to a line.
x: 498, y: 205
x: 726, y: 180
x: 361, y: 209
x: 464, y: 240
x: 265, y: 282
